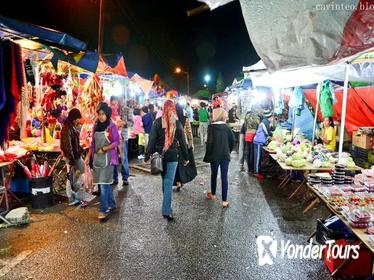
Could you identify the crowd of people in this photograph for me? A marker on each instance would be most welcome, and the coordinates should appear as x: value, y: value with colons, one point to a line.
x: 168, y: 131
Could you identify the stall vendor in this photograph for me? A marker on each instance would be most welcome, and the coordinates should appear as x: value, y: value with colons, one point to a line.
x: 328, y: 135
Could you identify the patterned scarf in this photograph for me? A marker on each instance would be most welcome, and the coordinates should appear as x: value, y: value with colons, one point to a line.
x: 169, y: 123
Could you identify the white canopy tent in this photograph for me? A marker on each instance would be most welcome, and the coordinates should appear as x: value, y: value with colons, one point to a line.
x: 359, y: 69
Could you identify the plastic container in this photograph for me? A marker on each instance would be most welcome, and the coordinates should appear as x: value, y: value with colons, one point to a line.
x: 42, y: 192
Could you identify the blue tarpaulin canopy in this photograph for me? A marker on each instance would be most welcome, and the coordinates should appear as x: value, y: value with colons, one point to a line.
x: 40, y: 34
x: 88, y: 61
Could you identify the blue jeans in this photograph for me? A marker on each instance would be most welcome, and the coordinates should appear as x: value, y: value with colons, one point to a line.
x: 106, y: 198
x: 125, y: 164
x: 224, y: 164
x: 257, y: 157
x: 167, y: 187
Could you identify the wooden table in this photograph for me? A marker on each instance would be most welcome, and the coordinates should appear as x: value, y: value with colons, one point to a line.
x: 360, y: 233
x: 306, y: 169
x: 269, y: 151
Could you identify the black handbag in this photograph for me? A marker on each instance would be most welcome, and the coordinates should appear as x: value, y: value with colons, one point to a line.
x: 157, y: 163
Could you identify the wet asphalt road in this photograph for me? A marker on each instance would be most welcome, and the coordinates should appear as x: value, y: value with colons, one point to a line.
x: 203, y: 242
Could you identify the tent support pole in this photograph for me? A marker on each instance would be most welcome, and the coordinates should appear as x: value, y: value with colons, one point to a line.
x: 318, y: 91
x: 293, y: 122
x: 344, y: 111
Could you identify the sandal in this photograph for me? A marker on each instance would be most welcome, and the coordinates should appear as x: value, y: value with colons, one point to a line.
x: 210, y: 196
x: 102, y: 216
x: 225, y: 204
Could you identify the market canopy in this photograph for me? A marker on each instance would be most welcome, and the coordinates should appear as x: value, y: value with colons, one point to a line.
x: 360, y: 72
x: 40, y: 34
x: 93, y: 62
x: 289, y: 34
x: 144, y: 84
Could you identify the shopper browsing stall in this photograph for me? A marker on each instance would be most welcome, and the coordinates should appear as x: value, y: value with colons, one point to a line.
x: 103, y: 149
x: 260, y: 139
x: 72, y: 151
x: 251, y: 122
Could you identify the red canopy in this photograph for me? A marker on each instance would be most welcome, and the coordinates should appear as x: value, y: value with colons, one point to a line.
x: 119, y: 69
x: 360, y: 107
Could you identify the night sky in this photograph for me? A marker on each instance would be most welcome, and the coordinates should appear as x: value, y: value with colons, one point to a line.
x: 153, y: 36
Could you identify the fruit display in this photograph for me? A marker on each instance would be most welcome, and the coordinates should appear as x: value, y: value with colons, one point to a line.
x: 300, y: 151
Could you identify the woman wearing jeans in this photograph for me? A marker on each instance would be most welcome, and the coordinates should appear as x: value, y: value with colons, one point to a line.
x: 104, y: 150
x: 218, y: 149
x: 167, y: 137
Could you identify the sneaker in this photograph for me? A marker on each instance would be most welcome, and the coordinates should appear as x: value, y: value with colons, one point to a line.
x: 141, y: 157
x: 115, y: 183
x: 241, y: 168
x: 210, y: 196
x: 260, y: 176
x: 75, y: 202
x: 225, y: 204
x: 125, y: 183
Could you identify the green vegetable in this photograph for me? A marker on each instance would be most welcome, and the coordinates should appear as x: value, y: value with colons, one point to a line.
x: 288, y: 161
x: 298, y: 163
x: 297, y: 156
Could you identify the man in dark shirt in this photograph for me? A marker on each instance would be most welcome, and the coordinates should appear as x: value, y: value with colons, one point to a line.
x: 147, y: 124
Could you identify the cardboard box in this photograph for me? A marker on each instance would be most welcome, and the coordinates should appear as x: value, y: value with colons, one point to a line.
x: 361, y: 140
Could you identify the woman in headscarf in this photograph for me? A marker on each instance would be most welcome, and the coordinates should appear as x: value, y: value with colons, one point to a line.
x: 103, y: 148
x: 219, y: 146
x: 167, y: 138
x: 185, y: 174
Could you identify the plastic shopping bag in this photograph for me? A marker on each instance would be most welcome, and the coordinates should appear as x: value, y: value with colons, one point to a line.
x: 88, y: 179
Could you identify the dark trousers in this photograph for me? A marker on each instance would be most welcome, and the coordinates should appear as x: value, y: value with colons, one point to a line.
x: 224, y: 164
x: 250, y: 156
x: 257, y: 157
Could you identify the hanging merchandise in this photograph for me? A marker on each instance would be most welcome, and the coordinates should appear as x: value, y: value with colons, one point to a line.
x: 29, y: 72
x: 278, y: 102
x: 91, y: 95
x: 326, y: 99
x: 11, y: 83
x: 297, y: 100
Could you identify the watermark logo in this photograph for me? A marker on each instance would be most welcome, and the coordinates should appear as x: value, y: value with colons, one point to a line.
x: 268, y: 249
x: 345, y: 7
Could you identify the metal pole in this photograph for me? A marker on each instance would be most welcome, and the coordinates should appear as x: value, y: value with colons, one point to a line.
x: 188, y: 83
x: 99, y: 42
x: 318, y: 92
x: 293, y: 122
x: 344, y: 111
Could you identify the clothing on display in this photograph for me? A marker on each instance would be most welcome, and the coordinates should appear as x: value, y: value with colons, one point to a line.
x: 326, y: 100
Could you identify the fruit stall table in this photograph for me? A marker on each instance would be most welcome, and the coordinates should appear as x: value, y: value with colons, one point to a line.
x: 306, y: 169
x: 359, y: 232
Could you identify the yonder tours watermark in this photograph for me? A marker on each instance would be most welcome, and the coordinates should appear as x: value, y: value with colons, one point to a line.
x: 269, y: 249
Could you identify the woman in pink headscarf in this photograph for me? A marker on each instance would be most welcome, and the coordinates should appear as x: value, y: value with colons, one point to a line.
x: 167, y: 138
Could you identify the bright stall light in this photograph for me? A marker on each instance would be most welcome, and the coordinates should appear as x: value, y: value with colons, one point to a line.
x: 207, y: 78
